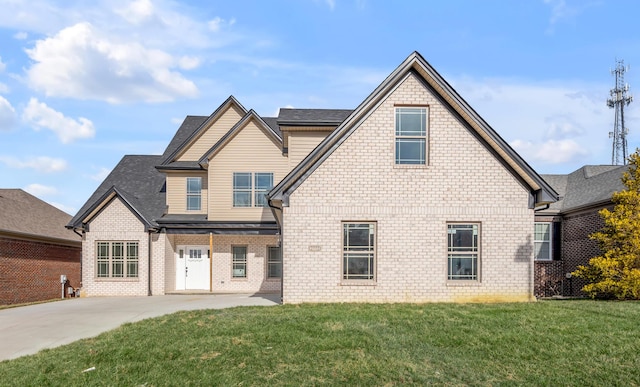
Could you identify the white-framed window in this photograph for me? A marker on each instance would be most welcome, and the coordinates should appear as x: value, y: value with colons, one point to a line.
x: 463, y: 251
x: 274, y: 262
x: 239, y: 261
x: 411, y: 135
x: 116, y: 259
x: 249, y: 189
x: 194, y: 193
x: 542, y: 241
x: 358, y: 251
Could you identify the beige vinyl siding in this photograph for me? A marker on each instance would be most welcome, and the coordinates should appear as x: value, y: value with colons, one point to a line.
x: 212, y: 134
x: 250, y: 150
x: 177, y: 192
x: 301, y: 143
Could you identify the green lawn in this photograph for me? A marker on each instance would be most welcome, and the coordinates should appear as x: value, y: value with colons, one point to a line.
x: 545, y: 343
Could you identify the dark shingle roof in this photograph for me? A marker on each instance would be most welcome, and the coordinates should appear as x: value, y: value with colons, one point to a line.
x: 25, y: 214
x: 137, y: 178
x: 312, y: 116
x: 273, y: 124
x: 189, y: 125
x: 587, y: 186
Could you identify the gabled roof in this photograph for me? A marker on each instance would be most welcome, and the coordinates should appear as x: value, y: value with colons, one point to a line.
x: 417, y: 65
x: 185, y: 131
x: 137, y: 182
x: 24, y: 215
x: 587, y: 187
x: 199, y: 130
x: 312, y: 117
x: 224, y: 140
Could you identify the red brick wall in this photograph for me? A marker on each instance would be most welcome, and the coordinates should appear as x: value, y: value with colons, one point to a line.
x: 30, y: 271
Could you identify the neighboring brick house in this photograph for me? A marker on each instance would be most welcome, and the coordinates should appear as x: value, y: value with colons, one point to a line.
x: 410, y: 197
x: 35, y: 249
x: 562, y: 229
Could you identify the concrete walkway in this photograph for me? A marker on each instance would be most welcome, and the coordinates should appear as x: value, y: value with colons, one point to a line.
x: 26, y: 330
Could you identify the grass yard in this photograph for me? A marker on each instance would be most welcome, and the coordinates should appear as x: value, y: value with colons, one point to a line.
x: 582, y: 343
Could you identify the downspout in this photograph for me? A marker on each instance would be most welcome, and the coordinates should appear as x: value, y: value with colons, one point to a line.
x: 210, y: 262
x: 149, y: 264
x: 273, y: 210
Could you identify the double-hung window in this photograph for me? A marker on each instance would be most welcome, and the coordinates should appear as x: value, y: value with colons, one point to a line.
x: 274, y: 262
x: 463, y: 251
x: 239, y: 263
x: 249, y: 189
x: 194, y: 193
x: 411, y: 135
x: 117, y: 260
x: 542, y: 241
x: 358, y: 251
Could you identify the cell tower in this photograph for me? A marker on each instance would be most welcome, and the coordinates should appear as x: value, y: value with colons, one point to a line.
x: 619, y: 99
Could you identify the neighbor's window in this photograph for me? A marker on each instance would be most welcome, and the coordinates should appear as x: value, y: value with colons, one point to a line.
x: 194, y: 193
x: 463, y: 251
x: 358, y: 251
x: 117, y: 259
x: 239, y: 262
x: 542, y: 241
x: 411, y: 135
x: 249, y: 189
x: 274, y: 262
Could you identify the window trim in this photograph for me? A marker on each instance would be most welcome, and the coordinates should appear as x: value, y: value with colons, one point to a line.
x: 550, y: 242
x: 197, y: 194
x: 398, y: 137
x: 127, y: 262
x: 235, y: 262
x: 270, y: 262
x: 373, y: 251
x: 477, y: 253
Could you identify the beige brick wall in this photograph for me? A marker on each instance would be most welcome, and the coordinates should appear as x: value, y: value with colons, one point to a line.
x: 462, y: 182
x: 256, y: 281
x: 116, y: 223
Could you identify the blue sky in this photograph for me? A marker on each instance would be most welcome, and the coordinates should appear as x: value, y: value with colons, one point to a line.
x: 83, y: 83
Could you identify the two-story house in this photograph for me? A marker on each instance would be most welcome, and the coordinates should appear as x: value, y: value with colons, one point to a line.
x: 412, y: 196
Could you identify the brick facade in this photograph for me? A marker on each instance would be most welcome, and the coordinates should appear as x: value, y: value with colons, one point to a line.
x: 359, y: 181
x: 30, y: 270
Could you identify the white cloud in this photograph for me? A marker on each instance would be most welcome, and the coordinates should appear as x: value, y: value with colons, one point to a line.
x: 188, y: 62
x: 550, y: 151
x: 41, y: 163
x: 68, y: 209
x: 7, y: 114
x: 137, y: 12
x: 217, y: 24
x: 40, y: 190
x: 80, y: 63
x: 3, y: 66
x: 67, y: 129
x: 21, y: 35
x: 101, y: 174
x: 552, y: 125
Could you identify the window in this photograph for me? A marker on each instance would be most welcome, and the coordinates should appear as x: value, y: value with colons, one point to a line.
x: 274, y: 262
x: 263, y: 183
x: 194, y: 193
x: 463, y: 250
x: 239, y: 263
x: 117, y: 260
x: 411, y: 135
x: 358, y: 251
x: 542, y: 241
x: 249, y: 189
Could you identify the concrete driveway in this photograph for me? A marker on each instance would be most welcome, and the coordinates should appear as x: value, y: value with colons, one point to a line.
x: 26, y: 330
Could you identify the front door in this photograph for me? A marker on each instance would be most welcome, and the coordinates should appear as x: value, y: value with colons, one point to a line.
x: 192, y: 268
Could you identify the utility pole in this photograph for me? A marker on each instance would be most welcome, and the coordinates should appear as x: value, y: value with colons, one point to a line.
x: 619, y: 99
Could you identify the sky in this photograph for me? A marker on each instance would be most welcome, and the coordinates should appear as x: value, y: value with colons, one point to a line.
x: 83, y: 83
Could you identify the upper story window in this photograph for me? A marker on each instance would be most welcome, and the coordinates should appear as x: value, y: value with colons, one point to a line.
x: 542, y: 241
x: 194, y: 193
x: 411, y: 135
x: 249, y: 189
